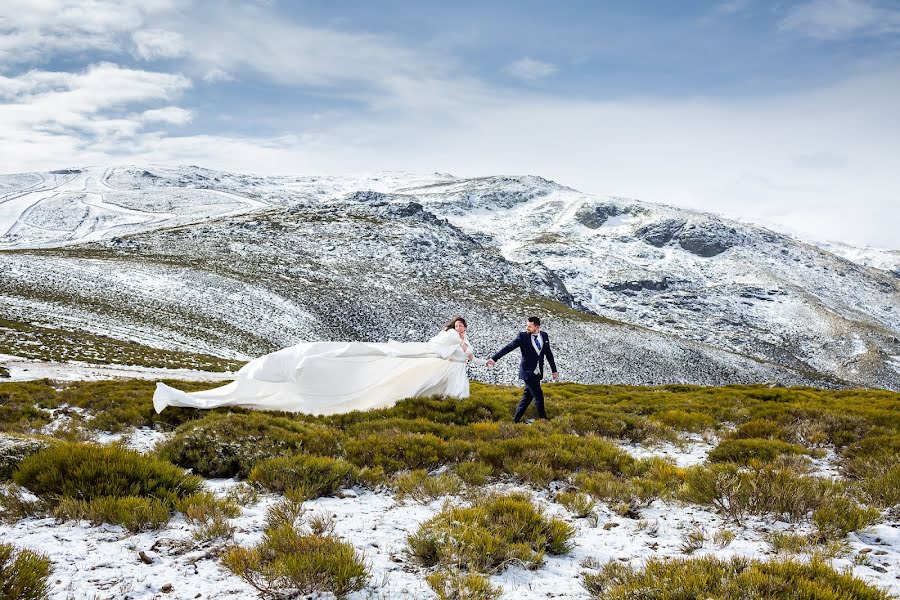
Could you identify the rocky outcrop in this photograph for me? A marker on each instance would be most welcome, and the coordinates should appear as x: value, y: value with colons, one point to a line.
x: 707, y: 239
x: 660, y: 233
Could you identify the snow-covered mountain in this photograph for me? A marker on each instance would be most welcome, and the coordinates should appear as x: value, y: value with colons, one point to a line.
x: 233, y: 265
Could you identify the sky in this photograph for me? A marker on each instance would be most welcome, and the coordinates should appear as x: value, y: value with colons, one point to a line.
x: 780, y: 113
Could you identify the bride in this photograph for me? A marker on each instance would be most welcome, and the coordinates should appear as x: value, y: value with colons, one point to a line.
x: 324, y: 378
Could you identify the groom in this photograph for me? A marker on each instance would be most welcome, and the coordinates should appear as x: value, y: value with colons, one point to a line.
x: 535, y: 345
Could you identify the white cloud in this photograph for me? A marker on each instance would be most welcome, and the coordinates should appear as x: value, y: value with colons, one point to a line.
x: 38, y: 30
x: 169, y: 114
x: 838, y: 19
x: 157, y: 43
x: 530, y: 69
x: 48, y: 114
x: 217, y: 76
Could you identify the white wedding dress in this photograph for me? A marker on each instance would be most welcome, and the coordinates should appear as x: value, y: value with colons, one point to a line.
x: 325, y: 378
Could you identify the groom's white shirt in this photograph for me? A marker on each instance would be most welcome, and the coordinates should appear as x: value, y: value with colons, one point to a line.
x: 537, y: 369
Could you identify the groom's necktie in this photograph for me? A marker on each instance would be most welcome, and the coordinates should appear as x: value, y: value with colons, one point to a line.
x: 537, y: 341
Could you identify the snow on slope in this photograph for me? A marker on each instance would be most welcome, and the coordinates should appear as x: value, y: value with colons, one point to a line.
x: 338, y: 248
x: 81, y: 206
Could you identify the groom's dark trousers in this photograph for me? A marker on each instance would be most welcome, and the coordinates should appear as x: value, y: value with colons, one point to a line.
x: 531, y: 392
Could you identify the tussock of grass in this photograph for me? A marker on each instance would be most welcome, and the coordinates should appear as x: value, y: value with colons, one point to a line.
x: 23, y: 574
x: 86, y: 472
x: 742, y: 451
x: 225, y: 445
x: 708, y: 577
x: 133, y: 513
x: 313, y: 476
x: 106, y: 484
x: 495, y: 531
x: 840, y: 514
x: 579, y: 504
x: 423, y: 488
x: 396, y: 450
x: 452, y: 584
x: 474, y: 472
x: 778, y: 489
x: 292, y: 560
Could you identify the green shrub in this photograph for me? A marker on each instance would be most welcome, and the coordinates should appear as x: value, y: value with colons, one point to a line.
x: 23, y: 574
x: 838, y: 515
x: 539, y: 458
x: 474, y: 472
x: 424, y: 488
x: 133, y: 513
x: 494, y: 531
x: 288, y: 561
x: 759, y: 429
x: 87, y: 472
x: 776, y: 489
x: 579, y: 504
x: 882, y: 488
x: 682, y: 420
x: 21, y: 404
x: 225, y: 445
x: 313, y: 476
x: 785, y: 541
x: 395, y: 450
x: 451, y: 584
x: 709, y: 577
x: 742, y: 451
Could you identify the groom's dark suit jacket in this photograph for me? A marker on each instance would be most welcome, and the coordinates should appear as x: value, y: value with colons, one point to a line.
x: 530, y: 358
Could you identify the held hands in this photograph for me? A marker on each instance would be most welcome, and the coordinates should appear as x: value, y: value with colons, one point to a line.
x: 555, y: 376
x: 490, y: 362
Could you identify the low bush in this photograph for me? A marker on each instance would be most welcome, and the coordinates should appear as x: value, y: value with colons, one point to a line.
x: 290, y: 561
x: 651, y: 479
x: 742, y: 451
x: 709, y: 577
x: 759, y: 429
x: 395, y: 450
x: 579, y: 504
x: 87, y: 472
x: 23, y: 574
x: 777, y: 489
x: 312, y: 476
x: 682, y: 420
x: 21, y: 405
x: 539, y: 457
x: 792, y: 543
x: 490, y: 534
x: 839, y: 514
x: 225, y: 445
x: 133, y: 513
x: 474, y: 472
x: 424, y: 488
x: 451, y: 584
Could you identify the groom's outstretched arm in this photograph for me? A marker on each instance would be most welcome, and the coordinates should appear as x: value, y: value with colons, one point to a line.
x: 506, y: 349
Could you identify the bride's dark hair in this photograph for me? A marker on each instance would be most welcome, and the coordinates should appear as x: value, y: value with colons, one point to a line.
x: 450, y: 325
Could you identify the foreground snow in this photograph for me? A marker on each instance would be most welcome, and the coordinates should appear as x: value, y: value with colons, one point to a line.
x: 106, y: 562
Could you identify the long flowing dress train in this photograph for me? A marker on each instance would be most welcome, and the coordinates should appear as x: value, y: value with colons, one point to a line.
x: 324, y: 378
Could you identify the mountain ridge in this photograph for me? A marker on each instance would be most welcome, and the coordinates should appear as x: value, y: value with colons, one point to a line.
x: 262, y: 262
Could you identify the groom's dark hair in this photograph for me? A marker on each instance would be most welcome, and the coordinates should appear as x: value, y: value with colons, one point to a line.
x: 535, y: 320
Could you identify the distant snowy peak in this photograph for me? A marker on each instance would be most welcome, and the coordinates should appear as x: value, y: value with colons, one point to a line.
x: 876, y: 258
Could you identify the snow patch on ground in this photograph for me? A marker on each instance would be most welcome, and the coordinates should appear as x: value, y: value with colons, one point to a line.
x: 23, y: 369
x: 104, y: 562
